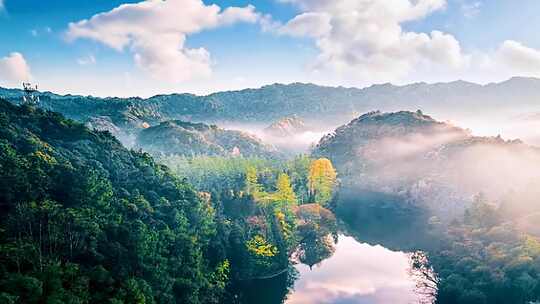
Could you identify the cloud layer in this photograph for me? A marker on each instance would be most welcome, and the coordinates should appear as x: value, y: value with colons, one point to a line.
x: 359, y: 42
x: 155, y: 33
x: 519, y: 58
x: 365, y: 40
x: 13, y: 70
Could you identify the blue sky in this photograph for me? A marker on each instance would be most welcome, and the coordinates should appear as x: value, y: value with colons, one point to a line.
x: 338, y: 42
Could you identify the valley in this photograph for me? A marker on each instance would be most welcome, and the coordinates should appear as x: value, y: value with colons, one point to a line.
x: 444, y: 206
x: 269, y: 152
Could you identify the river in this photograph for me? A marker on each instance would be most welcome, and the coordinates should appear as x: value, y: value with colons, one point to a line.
x: 356, y: 273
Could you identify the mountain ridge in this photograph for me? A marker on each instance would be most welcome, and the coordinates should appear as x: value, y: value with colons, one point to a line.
x: 279, y: 84
x: 312, y: 103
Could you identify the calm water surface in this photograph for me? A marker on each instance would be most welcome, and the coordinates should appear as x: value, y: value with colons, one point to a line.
x: 357, y: 273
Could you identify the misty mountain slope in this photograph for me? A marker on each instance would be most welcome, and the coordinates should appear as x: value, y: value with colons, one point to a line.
x: 312, y: 103
x: 84, y: 220
x: 350, y: 142
x: 431, y: 163
x: 190, y: 139
x: 286, y: 127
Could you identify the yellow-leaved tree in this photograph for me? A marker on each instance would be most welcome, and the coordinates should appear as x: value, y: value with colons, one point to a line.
x: 322, y: 181
x: 259, y: 246
x: 284, y: 195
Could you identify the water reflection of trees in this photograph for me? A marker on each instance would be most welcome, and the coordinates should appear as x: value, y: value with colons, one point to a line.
x: 387, y: 220
x: 317, y: 237
x: 383, y: 219
x: 317, y: 233
x: 269, y: 291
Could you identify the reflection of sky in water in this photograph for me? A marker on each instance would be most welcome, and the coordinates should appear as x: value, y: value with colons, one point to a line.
x: 356, y: 274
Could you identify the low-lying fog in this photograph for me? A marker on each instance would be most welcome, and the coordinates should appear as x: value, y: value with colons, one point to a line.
x: 525, y: 127
x: 296, y: 143
x: 446, y: 170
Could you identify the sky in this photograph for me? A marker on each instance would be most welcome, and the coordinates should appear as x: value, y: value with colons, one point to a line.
x: 144, y: 48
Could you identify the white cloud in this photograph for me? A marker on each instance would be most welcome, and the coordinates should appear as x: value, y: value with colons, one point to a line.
x: 14, y: 69
x: 308, y: 24
x: 364, y: 39
x: 363, y: 42
x: 155, y: 32
x: 88, y: 60
x: 519, y: 58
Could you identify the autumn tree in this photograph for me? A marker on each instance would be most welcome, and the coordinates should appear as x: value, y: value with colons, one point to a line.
x: 322, y: 180
x: 285, y: 194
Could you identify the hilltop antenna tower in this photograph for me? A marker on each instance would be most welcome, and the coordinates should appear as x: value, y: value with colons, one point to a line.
x: 30, y: 94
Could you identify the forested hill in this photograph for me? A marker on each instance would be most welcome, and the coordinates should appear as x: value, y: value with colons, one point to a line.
x: 194, y: 139
x: 430, y: 163
x: 367, y: 137
x: 84, y: 220
x: 393, y: 137
x: 310, y: 102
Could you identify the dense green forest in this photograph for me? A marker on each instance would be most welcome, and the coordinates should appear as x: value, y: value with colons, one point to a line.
x: 482, y: 258
x: 85, y: 220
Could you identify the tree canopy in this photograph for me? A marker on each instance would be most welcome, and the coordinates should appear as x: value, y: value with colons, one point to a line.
x: 84, y: 220
x: 322, y: 180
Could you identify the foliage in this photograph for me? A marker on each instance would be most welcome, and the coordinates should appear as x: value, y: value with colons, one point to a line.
x: 317, y: 231
x: 83, y: 220
x: 86, y: 221
x: 260, y: 247
x: 192, y: 139
x: 298, y: 170
x: 284, y: 192
x: 484, y: 259
x: 252, y: 183
x: 322, y: 180
x: 207, y: 173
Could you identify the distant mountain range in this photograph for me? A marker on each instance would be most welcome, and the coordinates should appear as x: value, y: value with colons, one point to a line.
x: 311, y: 103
